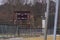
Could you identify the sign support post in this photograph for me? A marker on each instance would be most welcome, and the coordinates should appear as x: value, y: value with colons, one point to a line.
x: 46, y: 19
x: 56, y: 18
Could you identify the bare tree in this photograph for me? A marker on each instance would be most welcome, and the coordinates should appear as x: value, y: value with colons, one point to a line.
x: 14, y: 2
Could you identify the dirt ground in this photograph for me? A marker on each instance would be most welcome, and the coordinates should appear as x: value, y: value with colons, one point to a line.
x: 33, y: 38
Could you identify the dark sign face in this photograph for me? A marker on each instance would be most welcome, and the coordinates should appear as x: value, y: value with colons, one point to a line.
x: 22, y: 16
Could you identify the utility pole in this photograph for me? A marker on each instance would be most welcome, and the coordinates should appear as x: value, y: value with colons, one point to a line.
x: 56, y: 18
x: 46, y: 20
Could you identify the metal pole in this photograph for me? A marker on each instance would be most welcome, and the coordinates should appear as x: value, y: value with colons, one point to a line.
x: 56, y: 18
x: 46, y: 20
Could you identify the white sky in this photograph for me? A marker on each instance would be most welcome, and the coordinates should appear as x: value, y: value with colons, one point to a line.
x: 53, y: 0
x: 1, y: 2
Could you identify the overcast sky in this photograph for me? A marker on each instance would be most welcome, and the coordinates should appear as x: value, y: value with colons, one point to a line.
x: 0, y: 2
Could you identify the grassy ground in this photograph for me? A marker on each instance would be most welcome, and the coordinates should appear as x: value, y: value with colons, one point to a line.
x: 49, y: 37
x: 42, y: 38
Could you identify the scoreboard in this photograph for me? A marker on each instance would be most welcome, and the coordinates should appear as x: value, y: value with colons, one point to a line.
x: 22, y: 18
x: 22, y: 15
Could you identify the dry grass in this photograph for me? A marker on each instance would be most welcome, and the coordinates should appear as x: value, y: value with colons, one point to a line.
x: 33, y: 38
x: 42, y: 38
